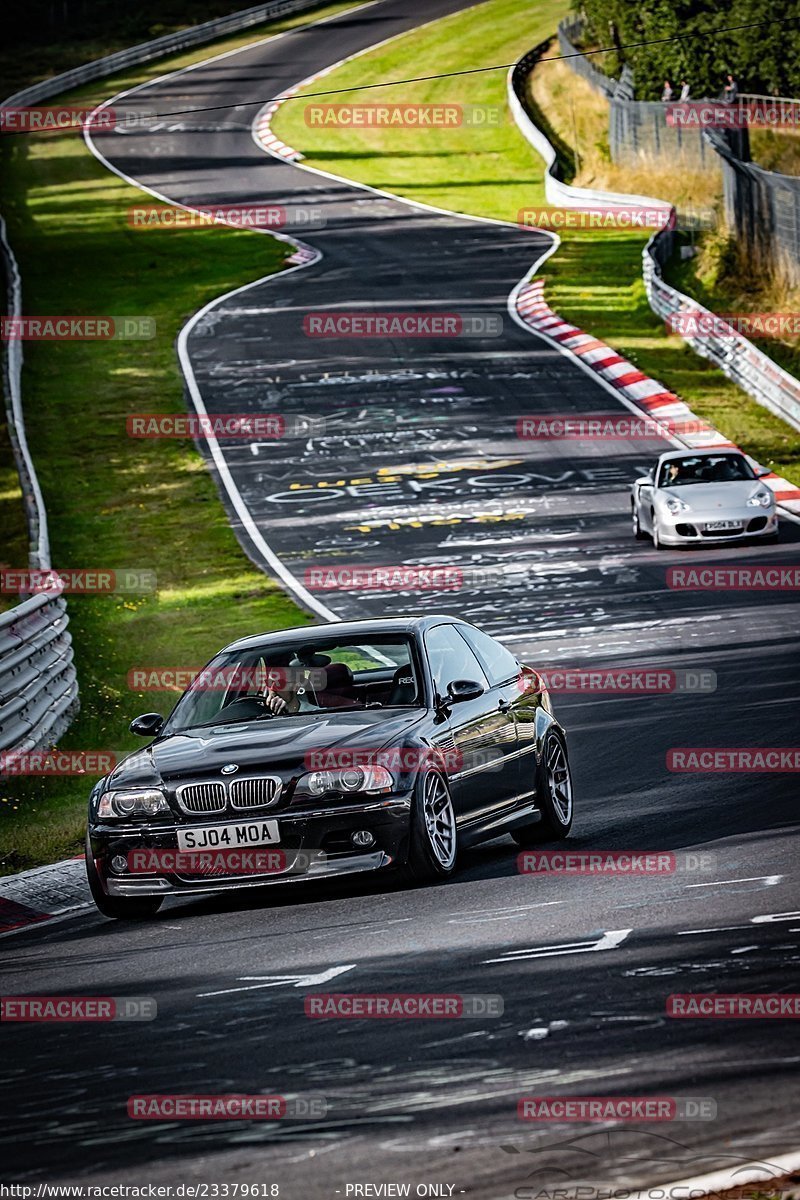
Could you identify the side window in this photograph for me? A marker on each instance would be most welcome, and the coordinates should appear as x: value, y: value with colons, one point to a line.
x: 499, y: 663
x: 451, y: 658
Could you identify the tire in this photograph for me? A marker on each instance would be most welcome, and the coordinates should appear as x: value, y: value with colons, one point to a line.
x: 120, y: 908
x: 638, y: 532
x: 554, y: 795
x: 657, y: 543
x: 433, y: 840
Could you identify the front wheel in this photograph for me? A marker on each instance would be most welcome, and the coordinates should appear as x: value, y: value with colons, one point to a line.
x: 121, y: 908
x: 433, y: 842
x: 657, y: 542
x: 553, y: 795
x: 638, y: 532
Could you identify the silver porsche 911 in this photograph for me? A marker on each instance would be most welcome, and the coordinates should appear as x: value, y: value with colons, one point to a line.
x: 700, y: 496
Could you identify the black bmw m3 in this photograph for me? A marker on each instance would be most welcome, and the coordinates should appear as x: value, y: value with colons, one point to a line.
x: 343, y: 748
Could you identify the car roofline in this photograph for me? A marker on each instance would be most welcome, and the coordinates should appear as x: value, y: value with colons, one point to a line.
x: 410, y: 625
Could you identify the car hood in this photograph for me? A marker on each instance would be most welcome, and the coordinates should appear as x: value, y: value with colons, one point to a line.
x: 279, y: 745
x: 733, y: 494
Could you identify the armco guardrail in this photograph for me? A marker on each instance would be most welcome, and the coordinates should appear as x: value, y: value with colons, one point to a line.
x: 38, y: 684
x: 735, y: 355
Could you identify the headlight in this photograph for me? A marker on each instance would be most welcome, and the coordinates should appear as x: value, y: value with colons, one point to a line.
x: 368, y: 778
x: 760, y: 499
x: 675, y: 505
x: 139, y: 803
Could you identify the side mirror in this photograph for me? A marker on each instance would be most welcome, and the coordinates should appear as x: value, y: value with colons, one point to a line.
x: 148, y: 725
x: 762, y: 471
x: 651, y: 474
x: 459, y: 690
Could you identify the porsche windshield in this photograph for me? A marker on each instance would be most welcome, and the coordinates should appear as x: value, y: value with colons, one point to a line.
x: 290, y: 679
x: 705, y: 468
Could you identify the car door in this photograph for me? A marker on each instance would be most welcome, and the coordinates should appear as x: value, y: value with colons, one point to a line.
x: 644, y: 499
x: 486, y: 771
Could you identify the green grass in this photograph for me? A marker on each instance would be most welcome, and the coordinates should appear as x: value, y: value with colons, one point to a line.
x: 113, y: 501
x: 595, y: 278
x: 485, y: 171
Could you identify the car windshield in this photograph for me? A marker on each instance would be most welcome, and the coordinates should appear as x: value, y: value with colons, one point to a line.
x: 705, y: 468
x: 299, y: 678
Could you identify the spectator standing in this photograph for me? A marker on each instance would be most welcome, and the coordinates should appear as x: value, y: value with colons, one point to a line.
x: 685, y: 91
x: 731, y: 90
x: 666, y: 93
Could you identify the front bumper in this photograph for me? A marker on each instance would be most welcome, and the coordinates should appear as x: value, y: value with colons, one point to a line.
x: 687, y: 528
x: 315, y: 844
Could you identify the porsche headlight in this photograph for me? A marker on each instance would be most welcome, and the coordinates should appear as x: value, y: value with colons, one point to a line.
x: 136, y: 803
x: 347, y: 780
x: 760, y: 499
x: 674, y: 505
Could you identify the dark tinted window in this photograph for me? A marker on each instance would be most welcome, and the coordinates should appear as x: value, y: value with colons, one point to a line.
x: 705, y: 468
x: 451, y: 658
x: 500, y: 664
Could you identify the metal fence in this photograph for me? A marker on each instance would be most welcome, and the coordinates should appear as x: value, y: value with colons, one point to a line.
x: 762, y: 208
x: 569, y: 30
x: 737, y: 357
x: 38, y: 684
